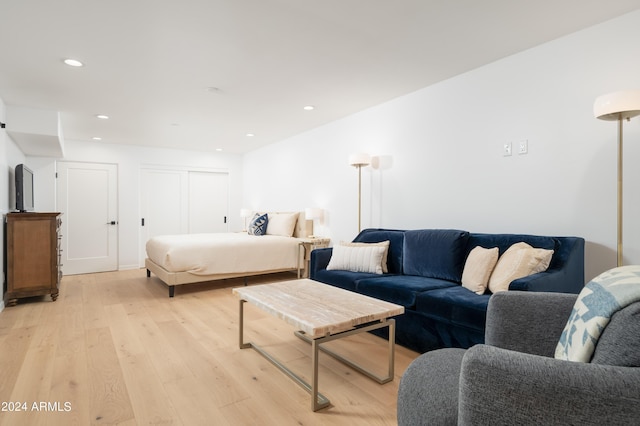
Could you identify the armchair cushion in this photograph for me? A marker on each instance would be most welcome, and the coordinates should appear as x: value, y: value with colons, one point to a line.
x: 515, y: 320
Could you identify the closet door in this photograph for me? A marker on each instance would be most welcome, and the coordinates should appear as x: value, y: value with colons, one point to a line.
x: 208, y: 202
x: 181, y: 201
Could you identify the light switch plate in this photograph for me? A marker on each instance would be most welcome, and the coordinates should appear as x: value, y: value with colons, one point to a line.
x: 523, y: 147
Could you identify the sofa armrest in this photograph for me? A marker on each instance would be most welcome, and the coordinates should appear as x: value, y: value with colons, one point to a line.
x: 547, y: 281
x: 499, y: 386
x: 529, y: 322
x: 319, y: 260
x: 565, y: 274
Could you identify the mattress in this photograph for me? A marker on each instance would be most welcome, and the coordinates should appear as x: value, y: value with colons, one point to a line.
x: 223, y: 253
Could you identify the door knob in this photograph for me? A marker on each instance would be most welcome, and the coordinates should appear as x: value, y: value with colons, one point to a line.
x: 113, y: 222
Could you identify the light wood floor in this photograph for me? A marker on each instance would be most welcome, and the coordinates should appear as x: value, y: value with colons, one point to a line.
x: 115, y: 349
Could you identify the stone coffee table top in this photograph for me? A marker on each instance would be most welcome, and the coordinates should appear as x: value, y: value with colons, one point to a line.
x: 317, y: 309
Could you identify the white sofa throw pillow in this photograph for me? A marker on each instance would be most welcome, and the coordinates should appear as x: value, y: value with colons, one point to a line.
x: 357, y: 258
x: 520, y: 260
x: 478, y: 268
x: 384, y: 244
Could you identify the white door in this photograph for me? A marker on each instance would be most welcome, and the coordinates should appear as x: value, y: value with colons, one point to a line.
x: 181, y: 202
x: 163, y: 205
x: 208, y: 202
x: 86, y: 195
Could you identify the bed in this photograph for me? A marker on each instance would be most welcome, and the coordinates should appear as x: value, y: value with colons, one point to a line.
x: 193, y: 258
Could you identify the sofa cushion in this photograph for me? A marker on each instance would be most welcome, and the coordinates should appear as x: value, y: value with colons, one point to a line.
x: 504, y: 241
x: 454, y: 305
x: 343, y: 279
x: 396, y: 243
x: 435, y: 253
x: 400, y: 289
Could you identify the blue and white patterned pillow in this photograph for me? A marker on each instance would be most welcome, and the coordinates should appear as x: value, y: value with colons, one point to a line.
x: 258, y: 225
x: 598, y: 301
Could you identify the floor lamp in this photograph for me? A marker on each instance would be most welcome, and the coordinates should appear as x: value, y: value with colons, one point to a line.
x: 359, y: 160
x: 618, y: 106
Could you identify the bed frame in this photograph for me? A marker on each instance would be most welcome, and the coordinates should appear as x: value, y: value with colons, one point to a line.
x: 303, y: 229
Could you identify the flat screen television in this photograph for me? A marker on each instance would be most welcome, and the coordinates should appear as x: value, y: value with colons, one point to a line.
x: 24, y: 189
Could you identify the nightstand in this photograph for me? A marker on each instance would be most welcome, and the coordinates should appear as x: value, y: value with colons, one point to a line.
x: 307, y: 245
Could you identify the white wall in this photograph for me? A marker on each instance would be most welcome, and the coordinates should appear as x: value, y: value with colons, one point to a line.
x: 10, y: 156
x: 129, y: 160
x: 442, y: 149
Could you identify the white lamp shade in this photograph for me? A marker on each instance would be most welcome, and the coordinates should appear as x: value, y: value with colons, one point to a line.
x: 359, y: 159
x: 617, y: 105
x: 245, y: 212
x: 311, y: 213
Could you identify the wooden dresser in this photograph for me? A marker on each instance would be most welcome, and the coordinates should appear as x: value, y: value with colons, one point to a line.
x: 33, y: 255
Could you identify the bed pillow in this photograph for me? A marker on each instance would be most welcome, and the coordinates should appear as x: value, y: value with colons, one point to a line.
x: 282, y: 224
x: 258, y: 225
x: 478, y: 268
x: 520, y: 260
x: 384, y: 244
x: 357, y: 259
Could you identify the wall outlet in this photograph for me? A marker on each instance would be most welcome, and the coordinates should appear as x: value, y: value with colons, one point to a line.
x: 523, y: 147
x: 506, y: 149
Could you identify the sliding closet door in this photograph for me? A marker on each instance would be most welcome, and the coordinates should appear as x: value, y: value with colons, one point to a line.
x: 180, y: 202
x: 208, y: 202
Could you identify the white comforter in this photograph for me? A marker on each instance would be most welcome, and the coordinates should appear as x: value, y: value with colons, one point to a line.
x: 225, y: 253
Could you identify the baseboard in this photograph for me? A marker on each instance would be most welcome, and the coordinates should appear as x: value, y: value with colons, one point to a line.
x: 128, y: 267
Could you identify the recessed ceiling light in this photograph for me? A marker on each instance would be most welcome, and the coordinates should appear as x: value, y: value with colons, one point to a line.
x: 250, y: 135
x: 96, y: 138
x: 102, y: 117
x: 218, y: 149
x: 309, y: 108
x: 73, y: 62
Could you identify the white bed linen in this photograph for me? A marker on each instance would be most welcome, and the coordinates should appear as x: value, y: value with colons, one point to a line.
x: 223, y: 253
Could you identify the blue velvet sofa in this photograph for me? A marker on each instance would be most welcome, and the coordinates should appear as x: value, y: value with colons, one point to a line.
x: 424, y: 275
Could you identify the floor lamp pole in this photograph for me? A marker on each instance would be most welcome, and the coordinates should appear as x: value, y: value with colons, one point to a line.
x: 619, y: 250
x: 358, y: 161
x: 359, y: 197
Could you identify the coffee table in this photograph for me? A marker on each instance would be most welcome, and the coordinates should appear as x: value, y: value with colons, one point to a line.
x: 321, y: 313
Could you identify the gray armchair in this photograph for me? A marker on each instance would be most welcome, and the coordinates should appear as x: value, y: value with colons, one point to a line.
x: 513, y: 378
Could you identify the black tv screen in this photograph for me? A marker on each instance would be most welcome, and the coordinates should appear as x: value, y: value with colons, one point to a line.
x: 24, y: 189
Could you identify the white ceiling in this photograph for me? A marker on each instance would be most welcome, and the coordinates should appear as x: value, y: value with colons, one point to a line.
x: 201, y: 74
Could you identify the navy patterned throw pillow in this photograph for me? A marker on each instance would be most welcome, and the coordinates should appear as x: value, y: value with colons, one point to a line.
x: 258, y: 225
